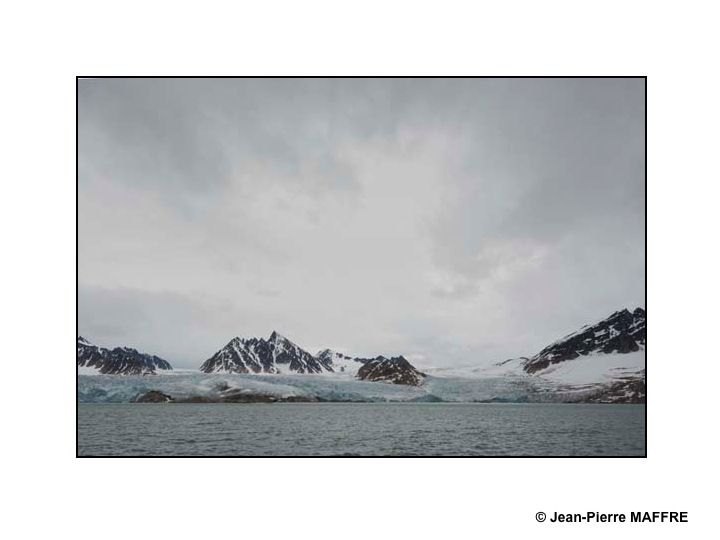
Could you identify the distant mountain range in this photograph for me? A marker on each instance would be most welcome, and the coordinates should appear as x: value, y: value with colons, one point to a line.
x: 275, y: 355
x: 279, y: 355
x: 603, y: 362
x: 117, y: 361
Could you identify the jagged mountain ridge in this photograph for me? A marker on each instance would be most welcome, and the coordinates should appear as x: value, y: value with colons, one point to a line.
x: 118, y: 361
x: 622, y: 332
x: 277, y: 354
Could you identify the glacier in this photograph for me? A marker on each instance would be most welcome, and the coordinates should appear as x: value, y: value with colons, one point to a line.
x: 501, y: 382
x: 187, y: 383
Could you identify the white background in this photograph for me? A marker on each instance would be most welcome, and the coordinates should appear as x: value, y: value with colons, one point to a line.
x: 48, y: 493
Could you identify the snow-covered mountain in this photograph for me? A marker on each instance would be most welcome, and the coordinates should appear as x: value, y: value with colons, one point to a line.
x: 277, y: 354
x: 603, y: 362
x: 396, y: 370
x: 620, y: 333
x: 92, y: 359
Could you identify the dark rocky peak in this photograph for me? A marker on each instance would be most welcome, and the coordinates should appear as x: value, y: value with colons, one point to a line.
x: 277, y: 354
x: 396, y: 370
x: 276, y: 337
x: 281, y: 343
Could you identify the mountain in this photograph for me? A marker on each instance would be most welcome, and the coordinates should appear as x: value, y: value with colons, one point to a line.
x: 621, y: 333
x: 396, y: 370
x: 277, y: 354
x: 117, y: 361
x: 600, y: 363
x: 379, y: 369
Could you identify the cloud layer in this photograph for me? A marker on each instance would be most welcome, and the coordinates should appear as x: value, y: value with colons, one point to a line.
x: 456, y: 221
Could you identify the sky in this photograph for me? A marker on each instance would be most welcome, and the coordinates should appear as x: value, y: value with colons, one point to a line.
x: 454, y: 221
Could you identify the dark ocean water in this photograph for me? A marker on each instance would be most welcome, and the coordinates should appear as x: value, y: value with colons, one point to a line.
x: 361, y: 429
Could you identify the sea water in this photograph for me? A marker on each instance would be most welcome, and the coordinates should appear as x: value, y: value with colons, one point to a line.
x: 360, y: 429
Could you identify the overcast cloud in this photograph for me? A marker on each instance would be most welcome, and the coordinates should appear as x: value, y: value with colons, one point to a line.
x: 455, y: 221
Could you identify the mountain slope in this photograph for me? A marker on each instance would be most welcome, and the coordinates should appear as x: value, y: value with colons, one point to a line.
x: 601, y: 363
x: 117, y: 361
x: 621, y: 333
x: 277, y: 354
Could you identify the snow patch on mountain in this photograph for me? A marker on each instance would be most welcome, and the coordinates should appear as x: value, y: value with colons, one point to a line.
x: 595, y: 369
x: 341, y: 363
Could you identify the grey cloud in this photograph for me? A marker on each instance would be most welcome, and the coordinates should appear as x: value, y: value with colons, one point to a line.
x: 194, y: 136
x: 457, y: 219
x: 567, y: 160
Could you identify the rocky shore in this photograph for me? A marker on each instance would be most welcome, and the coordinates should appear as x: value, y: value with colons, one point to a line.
x: 155, y: 396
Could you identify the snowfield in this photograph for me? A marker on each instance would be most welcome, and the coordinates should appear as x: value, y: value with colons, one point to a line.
x: 582, y: 374
x: 584, y: 370
x: 595, y: 369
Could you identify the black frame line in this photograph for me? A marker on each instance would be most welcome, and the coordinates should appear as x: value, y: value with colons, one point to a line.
x: 77, y: 281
